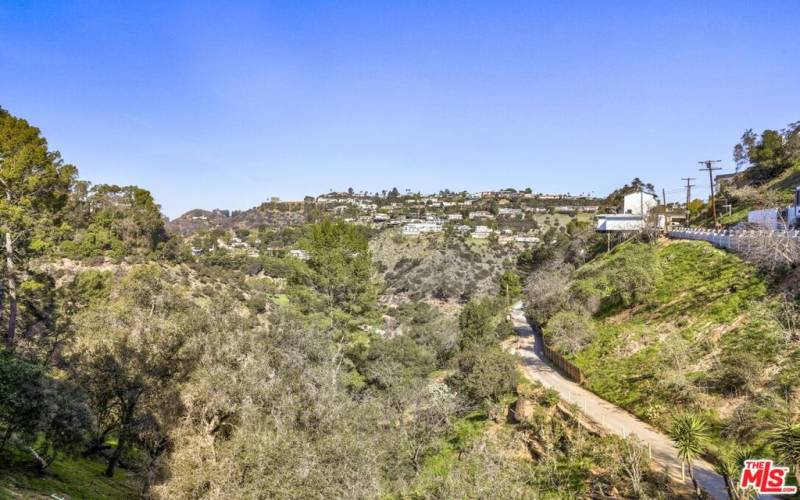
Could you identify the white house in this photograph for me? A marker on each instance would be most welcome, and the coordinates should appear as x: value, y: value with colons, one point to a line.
x: 481, y: 232
x: 635, y: 207
x: 480, y: 214
x: 299, y: 254
x: 417, y: 228
x: 454, y: 217
x: 639, y: 203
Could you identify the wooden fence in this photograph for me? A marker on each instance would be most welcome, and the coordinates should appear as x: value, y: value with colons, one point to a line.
x: 562, y: 364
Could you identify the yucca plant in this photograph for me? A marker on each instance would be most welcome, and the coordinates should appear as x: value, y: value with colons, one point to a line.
x: 690, y: 435
x: 787, y: 443
x: 729, y: 465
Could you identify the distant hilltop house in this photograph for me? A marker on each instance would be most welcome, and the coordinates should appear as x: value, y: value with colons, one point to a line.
x: 454, y: 217
x: 480, y: 214
x: 417, y: 228
x: 510, y: 212
x: 481, y: 232
x: 380, y: 217
x: 635, y: 209
x: 526, y: 239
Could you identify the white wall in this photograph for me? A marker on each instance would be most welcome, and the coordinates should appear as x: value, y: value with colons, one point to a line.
x: 637, y: 203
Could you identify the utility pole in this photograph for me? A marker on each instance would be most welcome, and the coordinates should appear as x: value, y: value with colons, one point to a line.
x: 709, y: 167
x: 689, y: 187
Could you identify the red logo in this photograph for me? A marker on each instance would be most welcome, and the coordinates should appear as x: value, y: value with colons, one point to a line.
x: 765, y: 477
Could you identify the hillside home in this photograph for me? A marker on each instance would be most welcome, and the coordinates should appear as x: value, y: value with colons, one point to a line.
x: 480, y: 214
x: 635, y: 208
x: 510, y: 212
x: 418, y: 228
x: 454, y: 217
x: 298, y: 253
x: 639, y: 203
x: 481, y: 232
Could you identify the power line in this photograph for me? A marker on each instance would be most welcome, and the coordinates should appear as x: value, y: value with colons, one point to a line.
x: 709, y: 167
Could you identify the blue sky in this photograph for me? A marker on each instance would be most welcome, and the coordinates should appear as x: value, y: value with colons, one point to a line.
x: 224, y: 104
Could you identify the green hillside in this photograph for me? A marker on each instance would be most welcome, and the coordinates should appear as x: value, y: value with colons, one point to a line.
x: 682, y: 326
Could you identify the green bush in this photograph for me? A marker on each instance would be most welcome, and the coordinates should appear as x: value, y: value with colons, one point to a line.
x: 549, y: 398
x: 45, y: 415
x: 634, y: 277
x: 568, y: 331
x: 478, y: 322
x: 486, y: 373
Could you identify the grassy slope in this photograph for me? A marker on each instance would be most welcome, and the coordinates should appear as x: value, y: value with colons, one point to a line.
x: 658, y: 357
x: 66, y: 478
x: 781, y: 189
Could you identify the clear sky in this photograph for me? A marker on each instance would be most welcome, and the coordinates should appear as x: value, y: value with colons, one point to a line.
x: 224, y: 104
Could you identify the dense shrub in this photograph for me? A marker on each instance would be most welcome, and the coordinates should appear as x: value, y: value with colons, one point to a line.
x: 484, y: 374
x: 634, y: 277
x: 44, y: 415
x: 478, y: 321
x: 568, y: 331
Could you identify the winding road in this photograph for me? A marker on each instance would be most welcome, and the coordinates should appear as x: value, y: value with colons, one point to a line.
x: 607, y: 415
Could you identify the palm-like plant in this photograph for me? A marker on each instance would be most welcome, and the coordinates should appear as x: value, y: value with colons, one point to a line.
x: 787, y: 444
x: 729, y: 464
x: 690, y: 435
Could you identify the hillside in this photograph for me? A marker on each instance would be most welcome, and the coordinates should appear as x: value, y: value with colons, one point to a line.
x: 198, y: 221
x: 771, y: 172
x: 682, y: 326
x: 438, y: 267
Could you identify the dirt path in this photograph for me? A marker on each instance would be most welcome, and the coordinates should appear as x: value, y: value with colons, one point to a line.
x: 611, y: 417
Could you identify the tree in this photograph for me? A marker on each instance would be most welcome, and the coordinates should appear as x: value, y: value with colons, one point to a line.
x: 691, y: 436
x: 787, y: 444
x: 264, y: 418
x: 341, y: 266
x: 633, y: 462
x: 484, y: 374
x: 478, y: 322
x: 44, y: 415
x: 510, y: 285
x: 568, y: 331
x: 769, y: 154
x: 131, y: 352
x: 546, y: 293
x: 34, y: 184
x: 729, y: 464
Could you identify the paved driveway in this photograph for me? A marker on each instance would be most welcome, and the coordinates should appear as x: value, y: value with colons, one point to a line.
x: 607, y: 415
